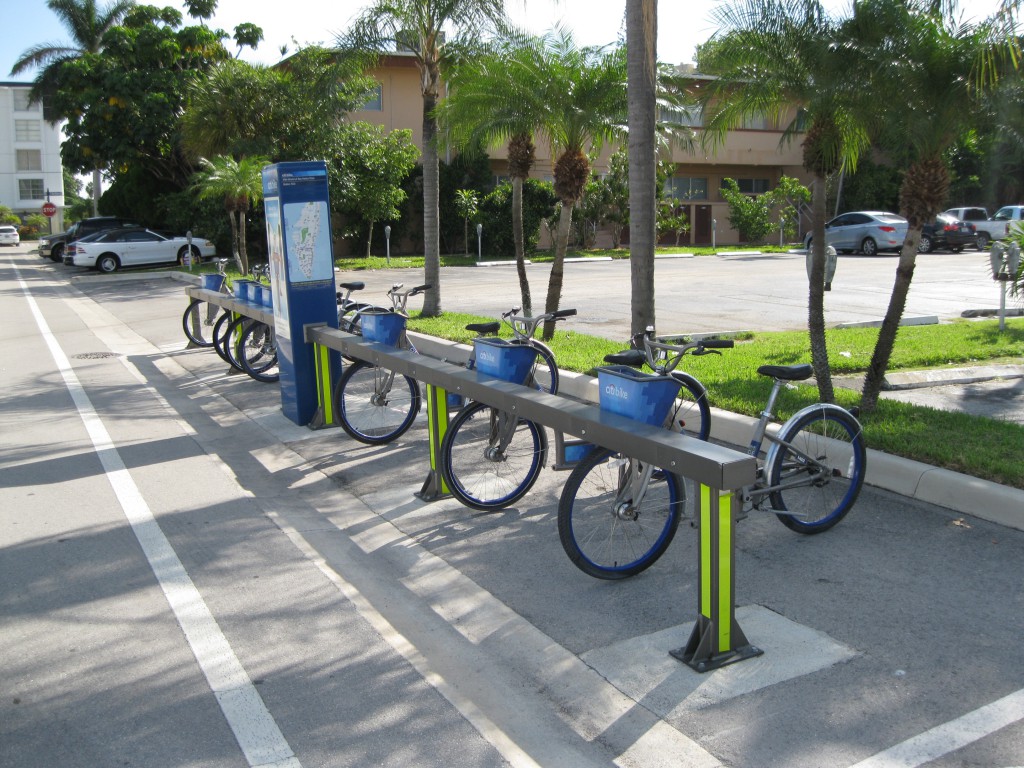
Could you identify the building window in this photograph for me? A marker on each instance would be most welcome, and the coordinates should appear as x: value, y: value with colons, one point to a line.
x: 687, y: 187
x: 31, y: 189
x: 30, y: 160
x: 376, y: 101
x: 756, y: 123
x: 28, y: 130
x: 753, y: 186
x: 21, y: 102
x: 688, y: 116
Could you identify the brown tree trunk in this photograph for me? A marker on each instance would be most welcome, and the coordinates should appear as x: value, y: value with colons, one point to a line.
x: 641, y: 39
x: 431, y: 214
x: 891, y: 323
x: 517, y: 237
x: 558, y: 267
x: 816, y: 295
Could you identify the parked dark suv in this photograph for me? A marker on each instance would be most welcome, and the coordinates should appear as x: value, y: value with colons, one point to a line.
x: 52, y: 246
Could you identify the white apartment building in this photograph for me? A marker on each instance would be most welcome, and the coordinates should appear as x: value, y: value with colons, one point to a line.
x: 30, y: 167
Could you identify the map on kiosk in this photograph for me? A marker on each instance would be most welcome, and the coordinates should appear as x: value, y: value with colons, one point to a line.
x: 307, y: 227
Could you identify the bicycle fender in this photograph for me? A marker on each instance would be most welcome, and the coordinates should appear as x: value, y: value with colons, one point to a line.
x: 821, y: 408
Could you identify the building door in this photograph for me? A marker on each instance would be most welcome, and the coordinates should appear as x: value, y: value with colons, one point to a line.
x: 702, y: 225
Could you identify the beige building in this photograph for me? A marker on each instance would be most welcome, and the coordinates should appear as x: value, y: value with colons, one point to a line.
x: 753, y: 155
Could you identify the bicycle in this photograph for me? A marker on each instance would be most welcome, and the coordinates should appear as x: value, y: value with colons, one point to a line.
x: 375, y: 405
x: 229, y: 328
x: 490, y: 458
x: 200, y: 316
x: 617, y: 515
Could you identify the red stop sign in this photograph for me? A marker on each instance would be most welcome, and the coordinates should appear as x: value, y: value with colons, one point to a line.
x: 49, y: 209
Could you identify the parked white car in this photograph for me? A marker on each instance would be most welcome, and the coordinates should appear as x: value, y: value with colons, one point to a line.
x: 116, y: 248
x: 9, y: 235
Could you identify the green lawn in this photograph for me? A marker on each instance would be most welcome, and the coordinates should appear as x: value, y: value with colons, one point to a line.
x: 976, y: 446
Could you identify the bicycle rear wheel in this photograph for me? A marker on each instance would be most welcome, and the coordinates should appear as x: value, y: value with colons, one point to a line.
x: 198, y: 321
x: 375, y: 405
x: 491, y: 458
x: 227, y: 337
x: 605, y: 534
x: 257, y: 352
x: 819, y: 468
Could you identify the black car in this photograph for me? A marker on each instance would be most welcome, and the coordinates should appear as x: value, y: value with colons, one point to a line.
x: 52, y: 246
x: 947, y: 232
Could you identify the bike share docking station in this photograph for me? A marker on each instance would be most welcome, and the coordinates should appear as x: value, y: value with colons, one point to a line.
x: 719, y: 472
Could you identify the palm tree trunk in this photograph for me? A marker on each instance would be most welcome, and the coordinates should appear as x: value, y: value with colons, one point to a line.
x: 558, y: 267
x: 369, y: 239
x: 518, y: 240
x: 235, y: 248
x: 816, y: 294
x: 431, y: 214
x: 97, y: 190
x: 641, y: 38
x: 891, y: 323
x: 243, y: 249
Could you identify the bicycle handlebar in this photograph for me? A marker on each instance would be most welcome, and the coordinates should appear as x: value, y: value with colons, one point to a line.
x: 662, y: 356
x: 524, y: 327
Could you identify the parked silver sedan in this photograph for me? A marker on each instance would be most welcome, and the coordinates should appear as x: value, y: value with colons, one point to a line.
x: 866, y: 231
x: 109, y: 251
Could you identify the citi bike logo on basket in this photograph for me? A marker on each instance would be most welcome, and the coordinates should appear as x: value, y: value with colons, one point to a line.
x: 611, y: 390
x: 487, y: 356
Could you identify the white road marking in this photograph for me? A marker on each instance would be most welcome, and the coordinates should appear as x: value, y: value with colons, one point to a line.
x: 254, y: 727
x: 949, y: 737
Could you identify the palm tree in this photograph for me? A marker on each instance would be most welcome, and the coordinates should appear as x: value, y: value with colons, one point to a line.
x: 585, y: 93
x: 494, y: 101
x: 931, y: 72
x: 420, y: 27
x: 770, y: 56
x: 642, y: 62
x: 239, y: 183
x: 87, y: 25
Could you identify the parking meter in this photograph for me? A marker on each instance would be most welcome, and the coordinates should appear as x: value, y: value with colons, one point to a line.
x: 831, y: 260
x: 1005, y: 260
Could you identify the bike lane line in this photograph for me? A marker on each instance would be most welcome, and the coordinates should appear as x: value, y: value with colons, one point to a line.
x: 258, y: 735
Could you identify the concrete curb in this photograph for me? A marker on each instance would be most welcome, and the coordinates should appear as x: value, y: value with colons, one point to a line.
x: 961, y: 493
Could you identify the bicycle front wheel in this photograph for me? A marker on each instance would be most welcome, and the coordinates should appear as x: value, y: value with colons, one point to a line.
x: 818, y: 469
x: 545, y: 370
x: 604, y: 530
x: 198, y: 321
x: 375, y: 405
x: 257, y: 352
x: 691, y: 413
x: 491, y: 458
x: 228, y: 338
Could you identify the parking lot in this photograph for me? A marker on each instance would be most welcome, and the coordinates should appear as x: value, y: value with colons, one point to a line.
x: 190, y: 579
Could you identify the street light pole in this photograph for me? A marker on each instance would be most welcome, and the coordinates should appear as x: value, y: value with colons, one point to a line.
x: 479, y: 241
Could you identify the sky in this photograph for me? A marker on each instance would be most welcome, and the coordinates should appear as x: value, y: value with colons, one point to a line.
x: 682, y: 24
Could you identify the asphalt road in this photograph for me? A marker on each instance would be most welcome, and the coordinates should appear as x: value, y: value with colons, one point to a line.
x: 187, y: 578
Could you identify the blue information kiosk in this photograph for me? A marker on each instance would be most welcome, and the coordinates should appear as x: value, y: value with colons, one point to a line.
x: 295, y: 196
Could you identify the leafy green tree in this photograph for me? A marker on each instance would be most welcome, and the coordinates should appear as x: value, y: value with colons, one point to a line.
x: 495, y: 215
x: 239, y: 183
x: 493, y: 102
x: 750, y: 215
x: 434, y: 31
x: 616, y: 183
x: 468, y: 206
x: 672, y: 219
x: 124, y: 104
x: 87, y: 25
x: 8, y: 216
x: 585, y: 92
x: 372, y: 165
x: 783, y: 59
x: 930, y: 79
